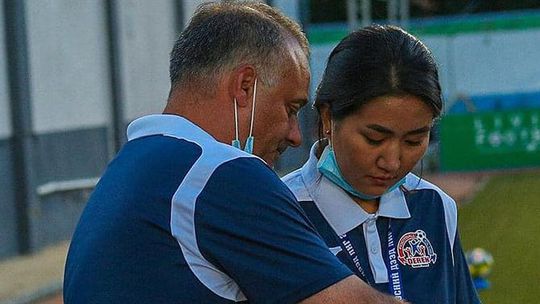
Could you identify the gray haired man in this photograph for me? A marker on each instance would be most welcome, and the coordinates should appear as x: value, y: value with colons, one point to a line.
x: 190, y: 210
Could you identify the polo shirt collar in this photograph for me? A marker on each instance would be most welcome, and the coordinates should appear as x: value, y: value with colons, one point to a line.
x: 338, y: 208
x: 167, y: 124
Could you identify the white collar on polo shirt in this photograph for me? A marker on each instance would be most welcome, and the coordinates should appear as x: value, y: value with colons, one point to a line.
x: 338, y: 208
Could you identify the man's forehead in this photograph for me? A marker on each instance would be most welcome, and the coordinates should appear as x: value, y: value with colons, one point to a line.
x: 297, y: 54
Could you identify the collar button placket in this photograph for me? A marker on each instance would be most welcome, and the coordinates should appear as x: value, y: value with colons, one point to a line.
x: 373, y: 243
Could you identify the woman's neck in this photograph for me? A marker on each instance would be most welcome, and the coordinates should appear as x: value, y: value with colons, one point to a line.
x: 370, y: 206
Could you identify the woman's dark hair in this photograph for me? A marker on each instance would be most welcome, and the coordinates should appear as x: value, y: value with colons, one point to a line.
x: 378, y: 61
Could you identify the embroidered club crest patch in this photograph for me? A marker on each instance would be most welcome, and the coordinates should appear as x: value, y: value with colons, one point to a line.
x: 415, y: 250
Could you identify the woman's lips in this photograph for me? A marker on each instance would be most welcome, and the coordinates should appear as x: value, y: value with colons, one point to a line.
x: 381, y: 180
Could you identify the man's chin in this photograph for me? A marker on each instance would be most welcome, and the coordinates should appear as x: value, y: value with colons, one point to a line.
x: 271, y: 162
x: 272, y: 158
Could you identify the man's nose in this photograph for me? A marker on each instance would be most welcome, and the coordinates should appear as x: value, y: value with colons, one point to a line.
x: 294, y: 138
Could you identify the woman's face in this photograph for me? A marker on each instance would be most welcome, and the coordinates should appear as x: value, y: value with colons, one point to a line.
x: 381, y: 142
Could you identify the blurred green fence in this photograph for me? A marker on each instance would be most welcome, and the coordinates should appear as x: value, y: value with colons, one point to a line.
x: 490, y: 140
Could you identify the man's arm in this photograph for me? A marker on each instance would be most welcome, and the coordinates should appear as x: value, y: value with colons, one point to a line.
x: 250, y: 229
x: 350, y: 290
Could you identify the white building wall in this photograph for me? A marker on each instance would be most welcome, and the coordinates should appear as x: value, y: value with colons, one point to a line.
x: 189, y: 6
x: 441, y: 49
x: 497, y: 62
x: 68, y: 57
x: 500, y: 62
x: 291, y: 8
x: 318, y: 60
x: 147, y: 34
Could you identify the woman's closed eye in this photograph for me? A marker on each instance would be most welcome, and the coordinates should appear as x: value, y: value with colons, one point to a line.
x: 414, y: 142
x: 373, y: 141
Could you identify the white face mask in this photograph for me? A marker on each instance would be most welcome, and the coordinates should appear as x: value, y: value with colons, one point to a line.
x: 249, y: 141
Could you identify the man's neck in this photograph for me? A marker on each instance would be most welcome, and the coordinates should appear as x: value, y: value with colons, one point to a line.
x: 207, y: 112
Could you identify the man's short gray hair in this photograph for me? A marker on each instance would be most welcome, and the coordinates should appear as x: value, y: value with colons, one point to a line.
x: 224, y: 35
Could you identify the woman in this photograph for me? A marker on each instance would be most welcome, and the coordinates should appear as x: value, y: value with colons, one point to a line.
x: 377, y: 102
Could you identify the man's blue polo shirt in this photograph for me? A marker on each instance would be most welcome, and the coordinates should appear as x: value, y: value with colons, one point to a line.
x: 181, y: 218
x: 430, y: 264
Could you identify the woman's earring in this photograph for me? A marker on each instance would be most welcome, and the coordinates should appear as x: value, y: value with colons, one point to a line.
x: 327, y: 132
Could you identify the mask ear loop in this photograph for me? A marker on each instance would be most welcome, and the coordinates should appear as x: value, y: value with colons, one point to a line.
x: 236, y: 119
x: 252, y: 110
x: 331, y: 139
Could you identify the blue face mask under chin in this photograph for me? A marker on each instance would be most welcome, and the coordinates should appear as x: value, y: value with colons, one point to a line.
x: 248, y: 147
x: 329, y: 168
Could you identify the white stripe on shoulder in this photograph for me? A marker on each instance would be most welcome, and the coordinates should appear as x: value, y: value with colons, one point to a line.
x: 183, y: 212
x: 413, y: 182
x: 295, y: 182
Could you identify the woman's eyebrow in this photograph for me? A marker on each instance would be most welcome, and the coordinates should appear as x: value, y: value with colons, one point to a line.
x: 385, y: 130
x: 422, y: 130
x: 380, y: 129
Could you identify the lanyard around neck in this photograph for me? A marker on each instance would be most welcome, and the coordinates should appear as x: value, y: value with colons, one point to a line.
x: 395, y: 285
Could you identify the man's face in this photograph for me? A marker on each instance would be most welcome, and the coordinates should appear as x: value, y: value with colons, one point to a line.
x: 276, y: 121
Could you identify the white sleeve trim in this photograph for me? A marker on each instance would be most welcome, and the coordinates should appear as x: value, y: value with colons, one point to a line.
x: 183, y: 225
x: 413, y: 182
x: 297, y: 186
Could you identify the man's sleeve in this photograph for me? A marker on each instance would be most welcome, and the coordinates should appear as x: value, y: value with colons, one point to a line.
x: 465, y: 290
x: 249, y: 225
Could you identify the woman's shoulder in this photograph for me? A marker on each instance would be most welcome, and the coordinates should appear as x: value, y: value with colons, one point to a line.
x: 414, y: 182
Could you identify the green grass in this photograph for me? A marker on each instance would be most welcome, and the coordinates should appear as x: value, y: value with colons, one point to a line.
x: 504, y: 218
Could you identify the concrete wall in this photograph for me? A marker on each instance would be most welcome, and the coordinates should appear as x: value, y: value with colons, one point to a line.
x: 5, y: 121
x: 497, y: 62
x: 8, y: 225
x: 500, y: 62
x: 60, y: 157
x: 189, y: 6
x: 68, y: 64
x: 147, y: 34
x: 442, y: 50
x: 71, y: 96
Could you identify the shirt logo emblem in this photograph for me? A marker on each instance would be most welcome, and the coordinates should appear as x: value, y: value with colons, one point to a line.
x: 415, y: 250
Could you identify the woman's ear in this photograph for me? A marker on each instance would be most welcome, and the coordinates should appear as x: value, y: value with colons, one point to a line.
x: 326, y: 119
x: 242, y: 83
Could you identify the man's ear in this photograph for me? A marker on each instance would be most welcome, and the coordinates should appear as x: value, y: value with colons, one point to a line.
x: 242, y: 83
